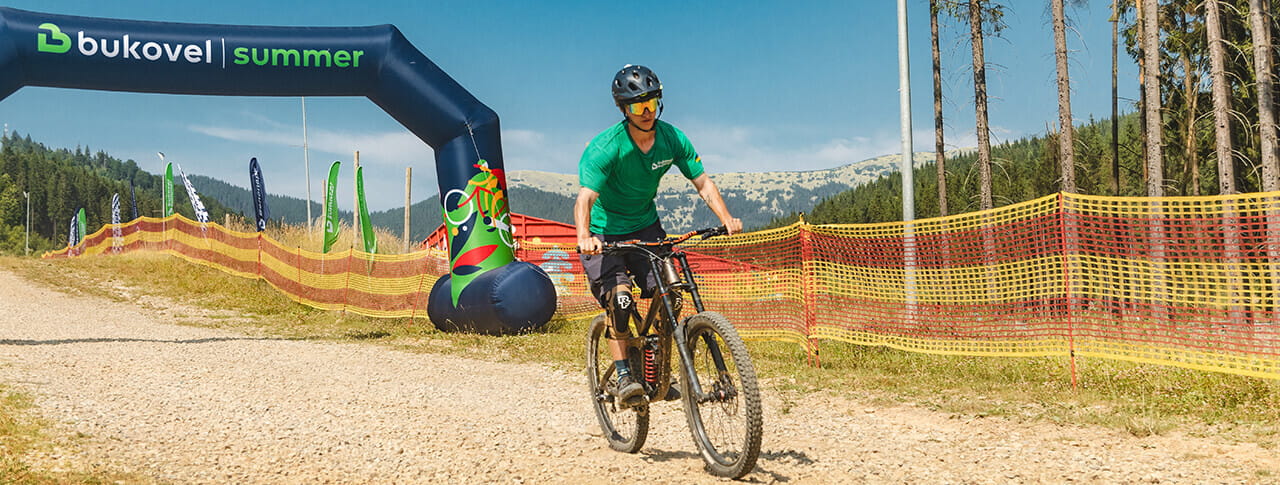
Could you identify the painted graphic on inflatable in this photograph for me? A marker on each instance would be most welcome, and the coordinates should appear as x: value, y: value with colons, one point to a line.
x: 490, y: 291
x: 479, y: 226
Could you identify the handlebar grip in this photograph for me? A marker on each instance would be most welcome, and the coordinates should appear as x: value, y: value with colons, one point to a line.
x: 715, y: 231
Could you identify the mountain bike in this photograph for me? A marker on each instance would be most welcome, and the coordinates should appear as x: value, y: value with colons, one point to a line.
x: 717, y: 381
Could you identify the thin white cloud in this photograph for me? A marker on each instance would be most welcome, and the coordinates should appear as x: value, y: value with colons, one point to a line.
x: 744, y: 149
x: 533, y: 150
x: 387, y: 148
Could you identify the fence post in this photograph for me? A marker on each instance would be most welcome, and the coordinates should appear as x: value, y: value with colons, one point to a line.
x: 1067, y: 243
x: 346, y: 287
x: 259, y: 268
x: 806, y: 293
x: 297, y: 263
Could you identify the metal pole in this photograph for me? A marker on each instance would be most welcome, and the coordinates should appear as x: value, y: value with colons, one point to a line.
x: 908, y: 175
x: 27, y: 242
x: 904, y: 101
x: 306, y: 163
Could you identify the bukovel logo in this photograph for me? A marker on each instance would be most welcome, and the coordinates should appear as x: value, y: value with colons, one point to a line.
x: 53, y: 40
x: 58, y: 42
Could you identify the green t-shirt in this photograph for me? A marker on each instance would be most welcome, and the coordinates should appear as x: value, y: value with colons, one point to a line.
x: 627, y: 180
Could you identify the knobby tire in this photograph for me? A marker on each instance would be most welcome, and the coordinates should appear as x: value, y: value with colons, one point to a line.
x: 726, y: 426
x: 624, y: 428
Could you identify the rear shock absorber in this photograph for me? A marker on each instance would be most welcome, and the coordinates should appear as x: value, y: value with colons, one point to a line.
x: 651, y: 363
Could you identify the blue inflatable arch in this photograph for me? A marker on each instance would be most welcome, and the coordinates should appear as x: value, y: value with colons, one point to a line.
x: 486, y: 290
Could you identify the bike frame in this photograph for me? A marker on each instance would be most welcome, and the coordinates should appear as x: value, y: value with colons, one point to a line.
x: 668, y: 291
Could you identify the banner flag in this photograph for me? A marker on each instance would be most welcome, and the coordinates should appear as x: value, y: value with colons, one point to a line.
x: 261, y: 212
x: 202, y: 215
x: 331, y: 207
x: 133, y: 195
x: 167, y: 188
x: 117, y: 240
x: 366, y: 227
x: 72, y: 238
x: 81, y: 227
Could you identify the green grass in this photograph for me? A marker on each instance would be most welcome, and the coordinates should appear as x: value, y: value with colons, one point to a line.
x: 1136, y: 398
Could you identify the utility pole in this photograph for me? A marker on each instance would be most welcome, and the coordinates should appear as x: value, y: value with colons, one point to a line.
x: 904, y: 103
x: 908, y: 169
x: 27, y: 242
x: 306, y: 163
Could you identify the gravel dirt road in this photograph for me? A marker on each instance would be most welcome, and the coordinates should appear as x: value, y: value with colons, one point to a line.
x: 128, y: 391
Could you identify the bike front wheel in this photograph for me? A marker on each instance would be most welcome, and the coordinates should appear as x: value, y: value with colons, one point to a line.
x: 725, y: 414
x: 625, y: 428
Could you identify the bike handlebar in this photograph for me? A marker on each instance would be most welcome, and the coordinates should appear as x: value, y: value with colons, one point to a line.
x: 668, y: 241
x: 636, y: 243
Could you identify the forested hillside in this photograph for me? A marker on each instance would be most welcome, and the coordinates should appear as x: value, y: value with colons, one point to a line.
x: 289, y: 210
x: 1025, y: 169
x: 61, y: 181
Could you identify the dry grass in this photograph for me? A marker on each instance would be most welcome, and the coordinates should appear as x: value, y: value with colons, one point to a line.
x: 21, y: 433
x: 298, y: 235
x: 1140, y: 399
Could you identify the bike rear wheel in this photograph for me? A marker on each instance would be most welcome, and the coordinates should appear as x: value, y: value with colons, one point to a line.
x: 625, y: 428
x: 725, y: 417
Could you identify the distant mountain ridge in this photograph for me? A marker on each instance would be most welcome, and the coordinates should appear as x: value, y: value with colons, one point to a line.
x: 754, y: 197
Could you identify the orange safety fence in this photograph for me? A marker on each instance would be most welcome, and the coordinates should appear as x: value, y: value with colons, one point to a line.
x: 1181, y: 281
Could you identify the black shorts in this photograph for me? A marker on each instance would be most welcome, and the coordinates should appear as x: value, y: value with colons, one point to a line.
x: 606, y: 271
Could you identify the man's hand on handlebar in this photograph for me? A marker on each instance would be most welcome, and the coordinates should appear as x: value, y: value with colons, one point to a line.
x: 734, y: 225
x: 588, y: 245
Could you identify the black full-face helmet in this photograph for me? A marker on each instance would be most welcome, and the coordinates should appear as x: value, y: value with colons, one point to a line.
x: 635, y: 83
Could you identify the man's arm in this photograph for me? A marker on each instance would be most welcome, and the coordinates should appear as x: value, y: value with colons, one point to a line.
x: 582, y: 221
x: 711, y: 194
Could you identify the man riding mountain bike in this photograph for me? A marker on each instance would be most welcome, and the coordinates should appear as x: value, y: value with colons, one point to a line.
x: 619, y: 173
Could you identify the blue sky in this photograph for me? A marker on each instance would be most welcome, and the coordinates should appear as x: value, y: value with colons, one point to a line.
x: 757, y: 86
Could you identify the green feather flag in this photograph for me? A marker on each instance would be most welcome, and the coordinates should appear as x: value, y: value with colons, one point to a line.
x: 331, y: 207
x: 167, y: 188
x: 366, y: 227
x: 80, y: 224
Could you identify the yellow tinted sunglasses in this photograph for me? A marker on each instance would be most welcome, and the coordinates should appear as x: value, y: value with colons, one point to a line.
x: 638, y: 108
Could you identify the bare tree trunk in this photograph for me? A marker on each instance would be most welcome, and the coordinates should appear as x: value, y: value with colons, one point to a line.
x: 1260, y: 26
x: 1221, y: 104
x: 1190, y: 145
x: 1066, y: 136
x: 1226, y: 161
x: 1154, y: 153
x: 939, y: 146
x: 1151, y: 81
x: 980, y: 103
x: 1115, y: 98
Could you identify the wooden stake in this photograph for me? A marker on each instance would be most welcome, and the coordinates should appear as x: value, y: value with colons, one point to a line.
x: 408, y: 178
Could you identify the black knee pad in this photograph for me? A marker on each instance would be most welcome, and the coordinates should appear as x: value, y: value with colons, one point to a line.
x: 621, y: 304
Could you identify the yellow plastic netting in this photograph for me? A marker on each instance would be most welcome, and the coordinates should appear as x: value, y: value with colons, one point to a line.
x: 1186, y: 281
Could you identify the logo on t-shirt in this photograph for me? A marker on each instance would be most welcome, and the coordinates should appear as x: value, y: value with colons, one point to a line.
x: 662, y: 164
